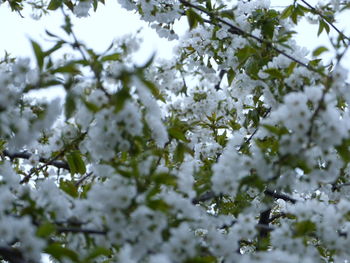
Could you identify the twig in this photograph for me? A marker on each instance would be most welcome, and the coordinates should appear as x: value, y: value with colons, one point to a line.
x: 210, y: 195
x: 264, y: 219
x: 205, y: 197
x: 221, y: 75
x: 276, y: 216
x: 81, y: 180
x: 337, y: 187
x: 81, y: 230
x: 254, y: 132
x: 49, y: 162
x: 26, y: 155
x: 277, y: 195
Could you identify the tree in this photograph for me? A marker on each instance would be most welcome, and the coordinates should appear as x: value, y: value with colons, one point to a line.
x: 237, y: 150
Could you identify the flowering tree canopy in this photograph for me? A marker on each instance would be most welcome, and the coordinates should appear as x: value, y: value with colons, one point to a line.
x: 236, y: 150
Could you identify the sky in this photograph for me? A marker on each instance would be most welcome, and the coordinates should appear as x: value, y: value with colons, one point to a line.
x: 110, y: 22
x: 98, y: 30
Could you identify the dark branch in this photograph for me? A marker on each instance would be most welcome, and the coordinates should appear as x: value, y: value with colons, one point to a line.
x: 211, y: 195
x: 80, y: 230
x: 221, y: 75
x: 205, y: 197
x: 255, y: 131
x: 81, y: 180
x: 277, y: 195
x: 264, y: 219
x: 34, y: 170
x: 26, y: 155
x: 276, y: 216
x: 12, y: 255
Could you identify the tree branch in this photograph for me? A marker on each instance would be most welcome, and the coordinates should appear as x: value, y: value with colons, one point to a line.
x: 254, y: 132
x: 264, y: 219
x: 81, y: 180
x: 210, y: 195
x: 276, y: 216
x: 49, y: 162
x: 205, y: 197
x: 80, y: 230
x: 221, y: 75
x: 12, y: 255
x: 26, y: 155
x: 277, y: 195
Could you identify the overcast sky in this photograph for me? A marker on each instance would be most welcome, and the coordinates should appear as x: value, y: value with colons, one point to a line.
x: 109, y: 22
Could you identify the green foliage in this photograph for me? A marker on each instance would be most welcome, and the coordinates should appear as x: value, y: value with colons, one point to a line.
x: 193, y: 18
x: 58, y: 251
x: 76, y: 163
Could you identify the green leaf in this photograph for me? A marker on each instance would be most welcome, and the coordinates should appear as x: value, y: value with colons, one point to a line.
x: 120, y: 98
x: 164, y: 179
x: 76, y: 163
x: 69, y: 4
x: 276, y: 130
x: 59, y: 252
x: 96, y: 252
x: 318, y: 51
x: 274, y: 73
x: 268, y: 29
x: 79, y: 163
x: 193, y: 18
x: 54, y: 48
x: 253, y: 181
x: 244, y: 53
x: 304, y: 228
x: 54, y: 4
x: 153, y: 88
x: 322, y: 26
x: 95, y: 4
x: 71, y: 164
x: 45, y: 230
x: 202, y: 259
x: 158, y: 205
x: 112, y: 57
x: 69, y: 106
x: 69, y: 188
x: 230, y: 76
x: 39, y: 54
x: 90, y: 106
x: 208, y: 5
x: 177, y: 134
x: 343, y: 150
x: 70, y: 68
x: 287, y: 12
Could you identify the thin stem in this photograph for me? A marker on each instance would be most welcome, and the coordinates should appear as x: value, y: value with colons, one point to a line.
x: 81, y: 180
x: 277, y: 195
x: 254, y: 132
x: 26, y: 155
x: 276, y: 216
x: 221, y: 75
x: 49, y: 162
x: 81, y: 230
